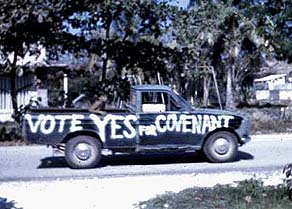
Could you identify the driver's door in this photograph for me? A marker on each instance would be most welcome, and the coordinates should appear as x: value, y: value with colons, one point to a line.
x: 160, y: 121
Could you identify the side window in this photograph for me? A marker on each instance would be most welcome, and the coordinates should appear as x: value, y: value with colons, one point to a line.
x: 154, y: 102
x: 158, y: 102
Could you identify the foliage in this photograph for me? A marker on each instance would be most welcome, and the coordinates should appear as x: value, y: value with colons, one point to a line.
x: 288, y: 173
x: 273, y: 20
x: 10, y: 132
x: 24, y: 27
x: 248, y: 194
x: 111, y: 26
x: 223, y: 37
x: 4, y: 204
x: 149, y: 38
x: 102, y: 27
x: 88, y: 85
x: 268, y: 119
x: 123, y: 38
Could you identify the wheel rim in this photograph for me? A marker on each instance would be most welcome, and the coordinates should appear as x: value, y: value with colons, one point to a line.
x: 83, y: 151
x: 221, y: 146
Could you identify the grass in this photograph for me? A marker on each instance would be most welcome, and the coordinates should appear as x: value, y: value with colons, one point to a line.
x: 268, y: 120
x: 251, y: 194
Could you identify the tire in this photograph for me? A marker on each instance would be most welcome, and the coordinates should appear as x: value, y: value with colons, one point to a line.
x: 83, y: 152
x: 221, y: 147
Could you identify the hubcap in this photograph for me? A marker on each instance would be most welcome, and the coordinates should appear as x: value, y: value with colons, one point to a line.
x: 221, y: 146
x: 82, y: 151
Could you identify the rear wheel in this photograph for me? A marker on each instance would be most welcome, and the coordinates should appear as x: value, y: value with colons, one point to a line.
x: 221, y: 147
x: 83, y: 152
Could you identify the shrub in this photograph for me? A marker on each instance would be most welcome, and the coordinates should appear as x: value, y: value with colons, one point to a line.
x: 269, y: 120
x: 5, y: 204
x: 250, y: 194
x: 10, y: 131
x: 288, y: 172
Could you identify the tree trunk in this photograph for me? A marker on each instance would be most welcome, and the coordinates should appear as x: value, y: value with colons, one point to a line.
x: 13, y: 90
x: 92, y: 61
x: 206, y: 90
x: 106, y: 57
x: 104, y: 68
x: 229, y: 90
x: 12, y: 77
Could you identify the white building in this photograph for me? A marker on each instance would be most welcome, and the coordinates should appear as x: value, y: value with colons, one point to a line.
x: 277, y: 87
x: 24, y: 82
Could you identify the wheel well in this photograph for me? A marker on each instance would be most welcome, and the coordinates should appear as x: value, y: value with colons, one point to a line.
x: 84, y: 133
x: 220, y: 129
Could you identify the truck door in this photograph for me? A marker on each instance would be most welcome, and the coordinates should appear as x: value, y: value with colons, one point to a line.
x: 160, y: 121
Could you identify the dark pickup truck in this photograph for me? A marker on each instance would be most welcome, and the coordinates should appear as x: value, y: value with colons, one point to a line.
x: 156, y: 118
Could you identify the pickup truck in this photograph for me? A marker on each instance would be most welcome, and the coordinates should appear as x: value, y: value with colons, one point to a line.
x: 156, y: 118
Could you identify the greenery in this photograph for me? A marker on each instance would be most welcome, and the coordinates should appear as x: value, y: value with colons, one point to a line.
x: 248, y: 194
x: 149, y: 39
x: 10, y: 132
x: 5, y: 204
x: 288, y: 172
x: 269, y: 119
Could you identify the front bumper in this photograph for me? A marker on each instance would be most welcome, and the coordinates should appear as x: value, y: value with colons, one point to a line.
x: 244, y: 140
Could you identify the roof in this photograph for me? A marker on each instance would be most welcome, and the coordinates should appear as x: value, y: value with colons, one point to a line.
x: 151, y: 87
x: 270, y: 77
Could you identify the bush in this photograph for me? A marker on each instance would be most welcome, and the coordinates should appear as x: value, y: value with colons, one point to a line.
x: 5, y: 204
x: 250, y: 194
x: 288, y: 180
x: 269, y: 120
x: 10, y: 131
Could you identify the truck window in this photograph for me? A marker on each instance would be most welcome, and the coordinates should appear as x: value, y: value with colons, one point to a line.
x: 158, y: 102
x: 173, y: 106
x: 154, y: 102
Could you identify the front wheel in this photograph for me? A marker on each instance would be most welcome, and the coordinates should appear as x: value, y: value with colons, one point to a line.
x: 83, y: 152
x: 221, y: 147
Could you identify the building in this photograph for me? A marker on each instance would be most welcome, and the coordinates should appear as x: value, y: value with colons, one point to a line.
x: 32, y: 79
x: 26, y: 90
x: 274, y: 88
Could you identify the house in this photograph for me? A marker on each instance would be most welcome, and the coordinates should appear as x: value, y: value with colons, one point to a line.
x: 274, y: 88
x: 23, y: 96
x: 25, y: 81
x: 32, y: 80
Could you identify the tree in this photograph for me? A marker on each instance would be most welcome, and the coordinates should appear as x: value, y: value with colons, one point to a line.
x: 222, y: 37
x: 273, y: 21
x: 124, y: 37
x: 24, y: 26
x: 195, y: 31
x: 107, y: 31
x: 148, y: 37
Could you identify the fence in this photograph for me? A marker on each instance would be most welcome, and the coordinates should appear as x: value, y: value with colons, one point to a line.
x: 23, y: 85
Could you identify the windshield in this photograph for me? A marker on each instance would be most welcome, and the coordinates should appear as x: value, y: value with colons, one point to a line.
x: 183, y: 101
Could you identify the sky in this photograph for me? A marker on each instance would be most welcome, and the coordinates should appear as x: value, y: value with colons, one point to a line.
x: 180, y: 3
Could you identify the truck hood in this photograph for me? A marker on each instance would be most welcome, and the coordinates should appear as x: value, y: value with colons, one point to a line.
x: 216, y: 112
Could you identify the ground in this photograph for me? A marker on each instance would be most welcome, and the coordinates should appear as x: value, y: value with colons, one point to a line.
x: 118, y: 192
